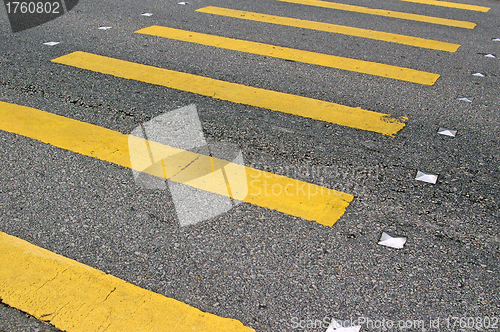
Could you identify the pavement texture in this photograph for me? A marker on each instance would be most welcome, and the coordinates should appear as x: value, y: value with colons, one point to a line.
x: 270, y: 270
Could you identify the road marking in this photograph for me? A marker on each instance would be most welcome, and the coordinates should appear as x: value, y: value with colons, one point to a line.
x: 290, y: 196
x: 386, y: 13
x: 320, y: 59
x: 451, y: 5
x: 333, y: 28
x: 237, y: 93
x: 78, y: 298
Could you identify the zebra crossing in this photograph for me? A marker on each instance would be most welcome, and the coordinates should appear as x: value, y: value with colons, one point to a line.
x: 197, y: 170
x: 354, y: 117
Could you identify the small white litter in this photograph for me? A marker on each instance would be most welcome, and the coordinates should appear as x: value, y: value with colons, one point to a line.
x: 147, y: 14
x: 342, y: 326
x: 104, y: 28
x: 447, y: 132
x: 182, y: 3
x: 426, y: 177
x: 490, y: 55
x: 393, y: 241
x: 478, y: 75
x: 495, y: 39
x: 51, y: 43
x: 467, y: 99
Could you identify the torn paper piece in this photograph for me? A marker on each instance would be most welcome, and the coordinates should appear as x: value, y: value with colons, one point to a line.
x: 393, y: 241
x: 447, y: 132
x: 104, y: 28
x: 426, y: 177
x: 51, y: 43
x: 147, y: 14
x: 342, y: 326
x: 490, y: 56
x: 182, y: 3
x: 495, y: 39
x: 478, y: 74
x: 467, y: 99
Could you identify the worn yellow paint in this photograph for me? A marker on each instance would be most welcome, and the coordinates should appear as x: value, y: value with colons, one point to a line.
x: 451, y: 5
x: 78, y: 298
x: 237, y: 93
x: 294, y: 197
x: 386, y: 13
x: 320, y: 59
x: 333, y: 28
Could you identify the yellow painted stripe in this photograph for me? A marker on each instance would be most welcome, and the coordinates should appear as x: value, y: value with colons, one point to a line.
x: 294, y: 197
x: 237, y: 93
x: 386, y: 13
x: 320, y: 59
x: 78, y: 298
x: 451, y: 5
x: 333, y: 28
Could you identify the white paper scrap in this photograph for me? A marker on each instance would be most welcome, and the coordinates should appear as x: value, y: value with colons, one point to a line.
x: 426, y: 177
x: 342, y: 326
x: 182, y: 3
x: 147, y: 14
x: 51, y: 43
x: 467, y: 99
x: 389, y: 240
x: 490, y: 55
x: 478, y: 75
x: 495, y: 39
x: 447, y: 132
x: 104, y: 28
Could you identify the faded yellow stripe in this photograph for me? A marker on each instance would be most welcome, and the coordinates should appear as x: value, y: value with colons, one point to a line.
x: 320, y: 59
x: 290, y: 196
x: 237, y: 93
x: 451, y: 5
x: 78, y: 298
x: 333, y: 28
x: 386, y: 13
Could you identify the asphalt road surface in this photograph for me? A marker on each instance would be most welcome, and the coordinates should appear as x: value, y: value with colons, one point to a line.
x: 263, y: 260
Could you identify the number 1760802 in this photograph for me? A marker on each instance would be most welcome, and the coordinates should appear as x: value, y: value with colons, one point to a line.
x: 16, y: 7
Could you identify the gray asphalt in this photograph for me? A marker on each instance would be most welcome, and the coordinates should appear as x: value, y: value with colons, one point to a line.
x: 267, y: 269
